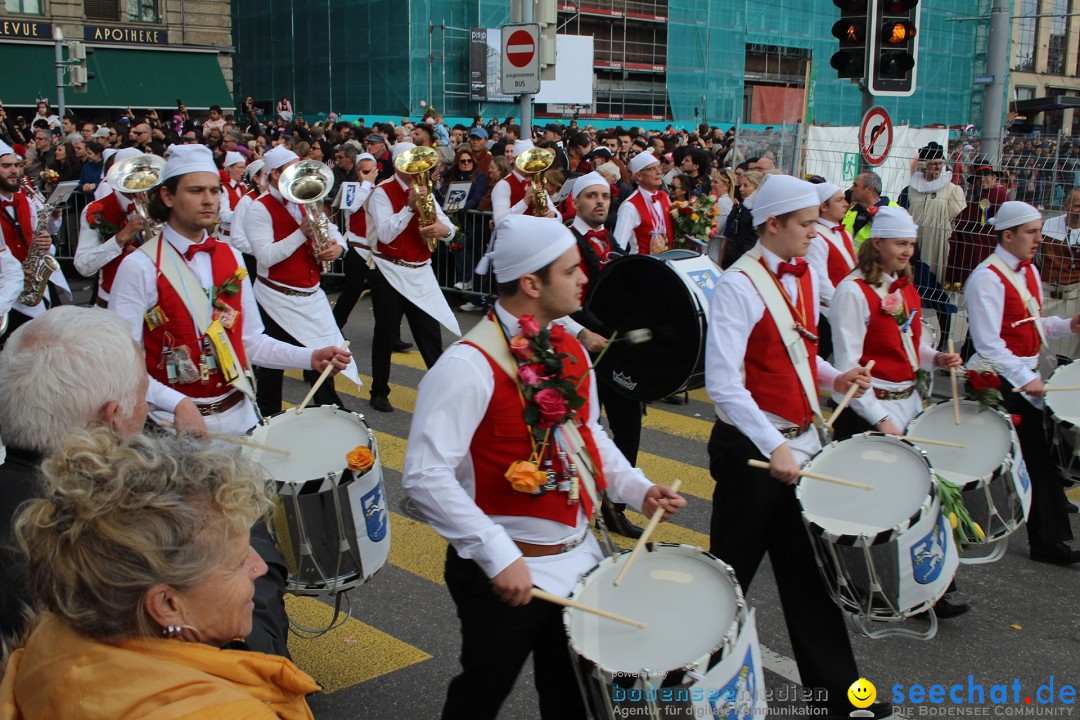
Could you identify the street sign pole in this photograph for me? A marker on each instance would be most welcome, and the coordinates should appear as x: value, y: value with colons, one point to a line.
x: 527, y: 98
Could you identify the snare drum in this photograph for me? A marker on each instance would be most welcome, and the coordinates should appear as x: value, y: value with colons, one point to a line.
x: 988, y: 469
x: 885, y: 554
x: 699, y: 641
x: 1065, y: 410
x: 669, y: 294
x: 331, y: 524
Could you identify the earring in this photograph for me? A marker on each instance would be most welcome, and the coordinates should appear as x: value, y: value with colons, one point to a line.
x: 171, y: 632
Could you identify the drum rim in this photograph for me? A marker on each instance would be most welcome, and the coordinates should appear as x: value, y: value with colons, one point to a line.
x: 728, y: 641
x: 1006, y: 463
x: 1049, y: 400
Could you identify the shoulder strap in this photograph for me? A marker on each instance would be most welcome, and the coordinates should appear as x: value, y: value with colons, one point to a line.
x: 486, y: 336
x: 1020, y: 285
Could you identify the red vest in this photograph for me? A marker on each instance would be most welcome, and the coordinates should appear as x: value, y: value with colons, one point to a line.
x: 408, y: 246
x: 109, y: 209
x: 1022, y: 340
x: 502, y: 437
x: 644, y: 231
x: 882, y: 342
x: 837, y: 266
x: 234, y: 190
x: 299, y: 269
x: 181, y: 327
x: 358, y: 223
x: 770, y: 376
x: 16, y: 242
x: 518, y: 188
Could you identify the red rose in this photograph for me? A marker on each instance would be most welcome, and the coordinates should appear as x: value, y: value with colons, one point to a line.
x: 1016, y: 419
x: 977, y: 382
x: 558, y: 333
x: 872, y: 210
x: 992, y: 380
x: 686, y: 210
x: 529, y: 327
x: 552, y: 406
x: 521, y: 348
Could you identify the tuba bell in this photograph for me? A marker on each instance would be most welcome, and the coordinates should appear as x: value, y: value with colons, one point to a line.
x: 135, y: 177
x: 306, y: 183
x: 534, y: 162
x: 417, y: 162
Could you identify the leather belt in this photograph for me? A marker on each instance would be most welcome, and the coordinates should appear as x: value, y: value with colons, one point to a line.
x: 534, y: 550
x: 402, y: 263
x: 215, y: 408
x: 101, y: 302
x: 358, y: 245
x: 882, y: 394
x: 285, y: 290
x: 793, y: 431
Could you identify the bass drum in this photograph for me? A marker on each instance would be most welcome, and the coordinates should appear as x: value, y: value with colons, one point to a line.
x: 668, y: 294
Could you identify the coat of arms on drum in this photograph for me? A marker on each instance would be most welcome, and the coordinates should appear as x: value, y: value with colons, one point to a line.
x: 374, y: 507
x: 928, y: 554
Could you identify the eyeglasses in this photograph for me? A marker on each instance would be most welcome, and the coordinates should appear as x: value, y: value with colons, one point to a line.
x: 465, y: 160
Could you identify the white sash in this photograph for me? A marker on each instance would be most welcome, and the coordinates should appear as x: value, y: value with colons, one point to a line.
x: 776, y: 305
x: 1020, y: 284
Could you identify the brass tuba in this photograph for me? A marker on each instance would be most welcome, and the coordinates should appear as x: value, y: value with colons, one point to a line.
x: 306, y: 183
x: 418, y: 161
x: 135, y: 177
x: 533, y: 163
x: 39, y: 265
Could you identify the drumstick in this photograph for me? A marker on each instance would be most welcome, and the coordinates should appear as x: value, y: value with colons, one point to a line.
x: 847, y: 398
x: 567, y: 602
x: 1050, y: 389
x: 319, y: 382
x: 236, y: 440
x: 955, y: 385
x: 816, y: 476
x: 928, y: 441
x: 653, y: 522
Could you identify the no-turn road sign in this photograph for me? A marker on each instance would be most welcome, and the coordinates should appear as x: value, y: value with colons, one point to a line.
x: 520, y: 59
x: 875, y: 136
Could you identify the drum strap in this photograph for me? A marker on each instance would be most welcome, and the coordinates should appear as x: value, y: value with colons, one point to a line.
x: 1018, y: 282
x: 778, y: 308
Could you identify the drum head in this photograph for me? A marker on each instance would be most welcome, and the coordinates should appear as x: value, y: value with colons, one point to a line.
x: 687, y: 598
x: 644, y: 291
x: 897, y: 471
x: 318, y: 441
x: 986, y: 435
x: 1065, y: 404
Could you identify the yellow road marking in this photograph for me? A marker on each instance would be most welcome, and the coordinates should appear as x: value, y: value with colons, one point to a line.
x: 417, y: 548
x: 696, y: 480
x: 1074, y: 494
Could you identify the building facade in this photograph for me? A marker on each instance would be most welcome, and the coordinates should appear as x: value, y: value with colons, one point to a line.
x: 1044, y: 88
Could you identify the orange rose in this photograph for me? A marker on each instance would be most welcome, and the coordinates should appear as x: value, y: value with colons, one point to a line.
x: 360, y: 459
x: 525, y: 476
x: 521, y: 348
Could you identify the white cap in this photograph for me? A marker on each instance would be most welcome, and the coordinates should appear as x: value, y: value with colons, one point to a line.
x: 593, y: 178
x: 365, y: 156
x: 6, y: 149
x: 643, y: 160
x: 131, y: 152
x: 106, y: 154
x: 826, y: 190
x: 780, y: 194
x: 521, y: 146
x: 893, y: 222
x: 232, y: 157
x: 186, y: 159
x: 1013, y: 213
x: 279, y: 156
x: 400, y: 148
x: 253, y: 168
x: 524, y: 244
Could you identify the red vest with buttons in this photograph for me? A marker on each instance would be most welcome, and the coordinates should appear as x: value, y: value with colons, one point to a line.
x: 770, y: 376
x: 837, y: 265
x: 408, y: 246
x: 644, y: 231
x: 180, y: 327
x: 235, y: 191
x: 18, y: 243
x: 1022, y: 340
x: 882, y: 342
x: 502, y: 437
x: 109, y: 210
x: 518, y: 188
x: 358, y: 223
x: 299, y: 269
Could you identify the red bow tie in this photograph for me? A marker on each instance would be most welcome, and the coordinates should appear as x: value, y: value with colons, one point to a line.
x: 7, y: 203
x: 598, y: 234
x: 206, y: 245
x: 900, y: 283
x: 838, y: 228
x: 797, y: 270
x: 1023, y: 264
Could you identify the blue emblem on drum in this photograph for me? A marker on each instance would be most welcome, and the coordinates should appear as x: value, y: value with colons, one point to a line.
x: 704, y: 279
x: 736, y: 698
x: 1022, y: 474
x: 928, y: 554
x: 374, y: 507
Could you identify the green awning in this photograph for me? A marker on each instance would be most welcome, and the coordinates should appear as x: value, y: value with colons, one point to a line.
x: 139, y: 78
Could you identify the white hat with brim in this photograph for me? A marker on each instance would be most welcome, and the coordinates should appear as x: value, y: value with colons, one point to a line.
x: 232, y: 157
x: 278, y: 157
x: 6, y: 149
x: 593, y: 178
x: 893, y: 222
x: 186, y: 159
x: 779, y: 195
x: 525, y: 244
x: 641, y: 161
x: 1013, y: 213
x: 826, y: 190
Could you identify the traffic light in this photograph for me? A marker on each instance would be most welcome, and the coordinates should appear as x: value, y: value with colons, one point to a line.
x: 894, y: 47
x: 80, y: 76
x: 850, y: 30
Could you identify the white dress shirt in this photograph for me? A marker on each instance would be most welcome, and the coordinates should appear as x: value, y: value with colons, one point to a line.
x: 818, y: 257
x: 11, y: 279
x: 390, y: 224
x: 52, y: 226
x: 226, y: 211
x: 735, y: 308
x: 259, y: 232
x: 628, y: 218
x: 500, y: 200
x: 362, y: 194
x: 237, y: 232
x: 93, y: 253
x: 438, y: 474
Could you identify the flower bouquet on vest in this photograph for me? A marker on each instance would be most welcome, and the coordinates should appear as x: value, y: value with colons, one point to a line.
x: 694, y: 221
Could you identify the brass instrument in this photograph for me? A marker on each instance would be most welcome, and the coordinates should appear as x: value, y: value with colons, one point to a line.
x: 39, y: 264
x: 533, y: 163
x: 306, y: 183
x: 418, y: 161
x: 135, y: 177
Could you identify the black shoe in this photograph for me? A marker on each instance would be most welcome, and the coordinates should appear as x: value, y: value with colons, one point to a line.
x: 402, y: 346
x: 1057, y: 554
x: 381, y: 403
x: 617, y: 523
x: 945, y: 608
x: 1071, y: 507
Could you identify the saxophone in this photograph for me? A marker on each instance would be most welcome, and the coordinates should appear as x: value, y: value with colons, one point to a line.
x: 39, y: 264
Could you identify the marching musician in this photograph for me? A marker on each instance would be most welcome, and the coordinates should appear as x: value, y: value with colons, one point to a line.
x: 402, y: 281
x: 504, y: 540
x: 294, y: 307
x: 232, y: 189
x: 255, y: 186
x: 1060, y: 266
x: 109, y: 229
x: 832, y: 254
x: 513, y: 195
x: 644, y: 221
x: 1005, y: 299
x: 763, y: 314
x: 356, y: 262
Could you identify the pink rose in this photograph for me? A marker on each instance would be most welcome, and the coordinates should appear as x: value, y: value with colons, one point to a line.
x: 529, y: 327
x: 893, y: 303
x: 528, y: 374
x: 552, y: 406
x: 521, y: 348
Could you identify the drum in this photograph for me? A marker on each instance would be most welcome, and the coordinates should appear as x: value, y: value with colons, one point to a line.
x: 887, y: 553
x: 331, y: 523
x: 699, y: 639
x: 988, y: 469
x: 668, y: 294
x: 1065, y: 410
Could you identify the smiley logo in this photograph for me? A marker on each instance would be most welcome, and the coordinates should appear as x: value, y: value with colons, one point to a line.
x: 862, y: 693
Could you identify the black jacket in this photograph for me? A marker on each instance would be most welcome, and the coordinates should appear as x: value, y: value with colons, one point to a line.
x: 19, y: 482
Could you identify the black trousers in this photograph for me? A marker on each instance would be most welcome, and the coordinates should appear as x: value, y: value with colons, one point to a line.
x: 389, y: 307
x: 495, y: 641
x: 624, y: 418
x: 268, y: 381
x: 753, y: 513
x: 1048, y: 520
x: 269, y: 623
x: 356, y: 281
x: 850, y: 423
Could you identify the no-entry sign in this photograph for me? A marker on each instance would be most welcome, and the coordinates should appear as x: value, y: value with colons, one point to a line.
x: 875, y: 136
x: 520, y: 59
